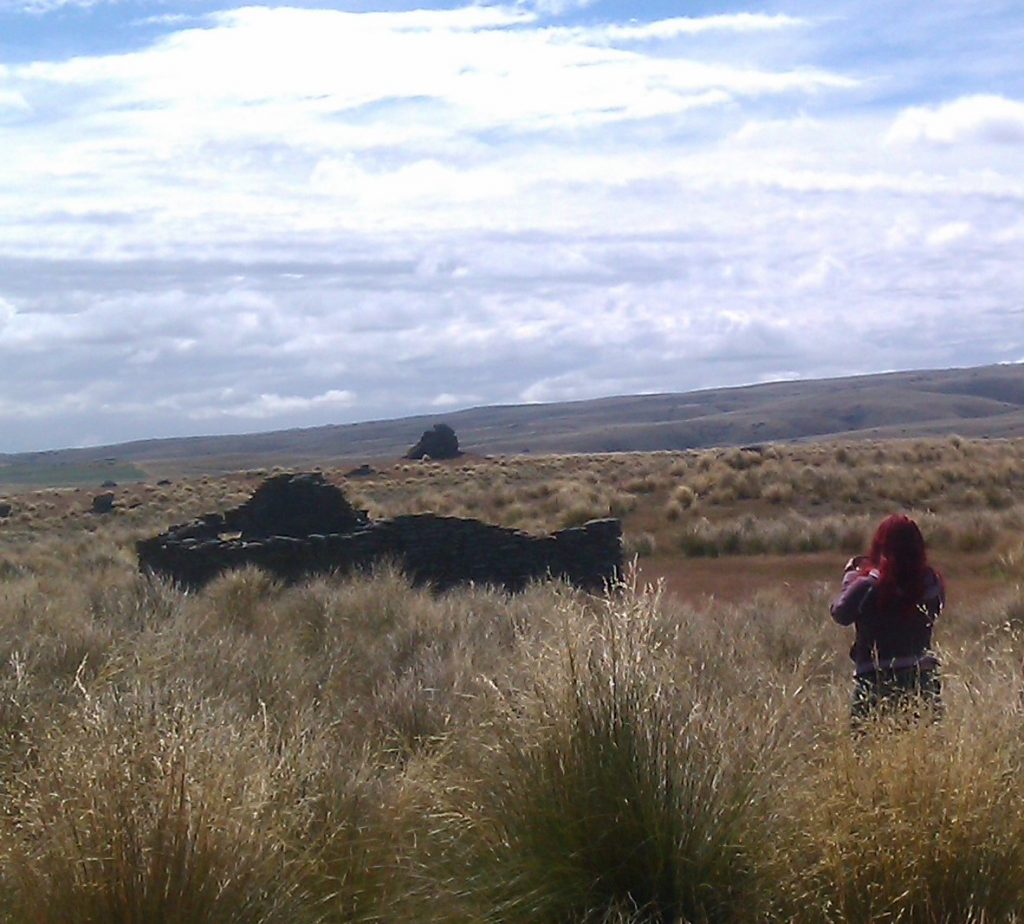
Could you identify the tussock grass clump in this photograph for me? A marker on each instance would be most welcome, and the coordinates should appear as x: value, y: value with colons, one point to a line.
x: 605, y: 789
x: 682, y: 498
x: 1011, y: 561
x: 137, y: 810
x: 920, y: 824
x: 780, y: 535
x: 239, y: 598
x: 641, y: 545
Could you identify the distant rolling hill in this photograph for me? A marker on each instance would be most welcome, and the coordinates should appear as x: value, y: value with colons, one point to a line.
x: 979, y: 402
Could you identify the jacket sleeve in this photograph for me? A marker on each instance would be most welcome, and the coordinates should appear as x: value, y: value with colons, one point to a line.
x: 936, y: 595
x: 849, y: 604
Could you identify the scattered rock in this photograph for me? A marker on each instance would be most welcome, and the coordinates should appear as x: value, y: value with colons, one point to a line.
x: 163, y: 482
x: 361, y: 471
x: 437, y: 443
x: 103, y: 503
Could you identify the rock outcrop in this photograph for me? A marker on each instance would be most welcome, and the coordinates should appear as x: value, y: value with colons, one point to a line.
x: 440, y: 442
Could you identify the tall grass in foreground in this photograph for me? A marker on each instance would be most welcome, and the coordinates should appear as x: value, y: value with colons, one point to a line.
x: 606, y: 789
x: 913, y: 824
x: 362, y: 751
x: 147, y: 810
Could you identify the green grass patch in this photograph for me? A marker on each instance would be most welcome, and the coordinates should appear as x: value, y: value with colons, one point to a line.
x: 59, y: 475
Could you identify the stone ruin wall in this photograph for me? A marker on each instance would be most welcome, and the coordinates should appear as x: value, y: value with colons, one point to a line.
x: 438, y: 551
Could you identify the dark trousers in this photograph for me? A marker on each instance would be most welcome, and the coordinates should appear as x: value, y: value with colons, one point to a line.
x: 905, y: 693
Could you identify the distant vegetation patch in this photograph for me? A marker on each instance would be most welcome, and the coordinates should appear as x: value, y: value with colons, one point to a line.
x: 45, y: 474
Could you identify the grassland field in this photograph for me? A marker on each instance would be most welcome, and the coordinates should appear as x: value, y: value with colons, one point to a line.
x: 22, y: 475
x: 678, y: 750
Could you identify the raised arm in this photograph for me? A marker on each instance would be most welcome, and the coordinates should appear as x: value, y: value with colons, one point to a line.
x: 857, y: 588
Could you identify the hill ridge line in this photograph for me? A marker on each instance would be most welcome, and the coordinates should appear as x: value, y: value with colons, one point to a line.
x: 983, y: 401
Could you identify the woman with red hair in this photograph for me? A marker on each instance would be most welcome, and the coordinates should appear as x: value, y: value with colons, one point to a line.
x: 893, y: 597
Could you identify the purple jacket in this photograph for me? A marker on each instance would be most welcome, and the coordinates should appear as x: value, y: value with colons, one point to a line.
x: 891, y: 637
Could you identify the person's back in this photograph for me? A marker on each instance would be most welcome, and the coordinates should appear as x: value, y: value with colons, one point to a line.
x: 893, y: 598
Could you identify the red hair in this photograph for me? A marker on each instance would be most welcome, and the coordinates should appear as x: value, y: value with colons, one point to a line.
x: 898, y: 552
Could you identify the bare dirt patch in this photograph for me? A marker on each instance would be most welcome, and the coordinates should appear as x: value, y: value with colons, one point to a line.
x: 737, y: 578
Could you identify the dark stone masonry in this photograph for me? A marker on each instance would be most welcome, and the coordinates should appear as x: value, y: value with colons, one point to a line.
x: 295, y: 526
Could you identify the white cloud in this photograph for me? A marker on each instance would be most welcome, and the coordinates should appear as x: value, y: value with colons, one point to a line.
x: 12, y: 99
x: 569, y: 386
x: 167, y: 19
x: 321, y: 63
x: 314, y: 125
x: 266, y: 406
x: 665, y: 29
x: 1010, y: 234
x: 286, y: 217
x: 82, y: 402
x: 949, y: 233
x: 447, y: 400
x: 39, y: 7
x: 821, y: 272
x: 555, y: 7
x: 979, y: 118
x: 427, y: 179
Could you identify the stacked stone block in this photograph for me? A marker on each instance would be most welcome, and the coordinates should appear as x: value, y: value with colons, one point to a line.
x: 441, y: 552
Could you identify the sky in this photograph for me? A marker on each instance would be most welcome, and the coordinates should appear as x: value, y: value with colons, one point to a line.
x: 225, y: 219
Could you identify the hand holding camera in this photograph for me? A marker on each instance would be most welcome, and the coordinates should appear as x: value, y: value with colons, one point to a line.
x: 855, y: 564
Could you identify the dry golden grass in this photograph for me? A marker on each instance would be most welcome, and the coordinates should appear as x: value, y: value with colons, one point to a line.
x: 663, y: 493
x: 355, y: 751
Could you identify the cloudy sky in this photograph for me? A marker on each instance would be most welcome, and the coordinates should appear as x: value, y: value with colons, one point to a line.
x: 219, y: 218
